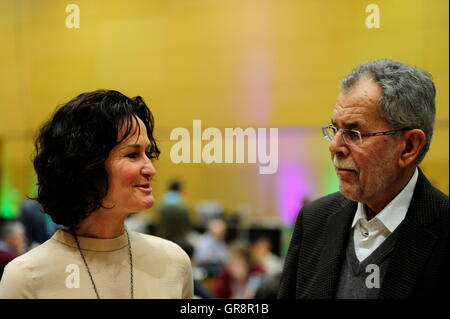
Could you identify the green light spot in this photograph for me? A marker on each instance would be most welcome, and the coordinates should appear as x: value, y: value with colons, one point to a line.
x: 8, y: 198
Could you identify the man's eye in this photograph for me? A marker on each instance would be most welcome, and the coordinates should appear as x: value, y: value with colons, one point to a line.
x: 352, y: 134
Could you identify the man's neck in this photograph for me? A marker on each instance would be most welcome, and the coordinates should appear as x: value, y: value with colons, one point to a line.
x: 376, y: 205
x: 369, y: 212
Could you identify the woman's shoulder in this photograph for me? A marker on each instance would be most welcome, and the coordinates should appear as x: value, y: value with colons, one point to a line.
x: 154, y: 241
x: 33, y: 257
x: 17, y: 279
x: 157, y: 245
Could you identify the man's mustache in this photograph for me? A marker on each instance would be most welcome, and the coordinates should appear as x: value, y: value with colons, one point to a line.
x: 344, y: 165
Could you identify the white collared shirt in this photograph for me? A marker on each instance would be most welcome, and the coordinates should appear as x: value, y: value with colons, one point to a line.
x: 368, y: 235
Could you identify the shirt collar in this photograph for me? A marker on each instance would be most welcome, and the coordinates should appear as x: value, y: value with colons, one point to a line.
x: 88, y: 243
x: 393, y: 214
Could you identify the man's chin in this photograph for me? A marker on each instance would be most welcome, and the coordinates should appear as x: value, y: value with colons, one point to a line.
x: 349, y: 191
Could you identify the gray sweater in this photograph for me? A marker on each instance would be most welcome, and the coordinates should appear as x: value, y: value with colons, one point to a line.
x: 362, y: 280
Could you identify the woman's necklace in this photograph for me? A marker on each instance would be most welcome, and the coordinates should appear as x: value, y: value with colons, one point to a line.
x: 89, y: 272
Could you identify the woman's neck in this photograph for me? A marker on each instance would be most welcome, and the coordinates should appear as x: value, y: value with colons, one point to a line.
x: 102, y: 224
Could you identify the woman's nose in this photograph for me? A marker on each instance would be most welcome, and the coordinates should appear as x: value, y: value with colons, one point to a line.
x: 148, y: 168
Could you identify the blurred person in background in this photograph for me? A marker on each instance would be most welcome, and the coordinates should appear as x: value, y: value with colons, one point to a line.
x: 12, y: 237
x: 211, y: 250
x: 262, y: 250
x: 5, y: 258
x: 173, y: 195
x: 174, y: 223
x: 273, y: 267
x: 94, y: 168
x: 12, y: 241
x: 38, y: 226
x: 242, y: 275
x: 201, y: 291
x: 385, y: 234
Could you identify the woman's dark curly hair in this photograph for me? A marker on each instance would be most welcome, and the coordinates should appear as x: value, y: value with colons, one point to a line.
x: 72, y: 146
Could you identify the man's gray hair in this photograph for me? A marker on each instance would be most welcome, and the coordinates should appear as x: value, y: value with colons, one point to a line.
x: 408, y: 95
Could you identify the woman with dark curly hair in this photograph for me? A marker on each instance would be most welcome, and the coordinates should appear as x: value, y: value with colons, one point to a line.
x: 94, y: 168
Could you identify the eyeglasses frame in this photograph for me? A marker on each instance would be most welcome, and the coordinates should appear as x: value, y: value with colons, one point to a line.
x: 360, y: 135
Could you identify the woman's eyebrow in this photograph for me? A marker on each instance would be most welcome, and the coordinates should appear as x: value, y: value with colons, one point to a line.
x: 134, y: 146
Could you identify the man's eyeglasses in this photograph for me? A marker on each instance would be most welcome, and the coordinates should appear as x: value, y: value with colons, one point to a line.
x: 353, y: 137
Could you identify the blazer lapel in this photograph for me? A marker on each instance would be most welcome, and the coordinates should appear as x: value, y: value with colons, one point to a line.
x: 414, y: 245
x: 338, y: 228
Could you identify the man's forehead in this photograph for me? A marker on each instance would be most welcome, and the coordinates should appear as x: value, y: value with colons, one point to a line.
x: 358, y: 105
x: 358, y: 97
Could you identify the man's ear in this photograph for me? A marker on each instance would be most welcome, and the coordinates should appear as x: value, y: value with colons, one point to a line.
x: 413, y: 142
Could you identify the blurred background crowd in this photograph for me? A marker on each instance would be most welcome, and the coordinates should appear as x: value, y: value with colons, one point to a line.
x: 230, y: 260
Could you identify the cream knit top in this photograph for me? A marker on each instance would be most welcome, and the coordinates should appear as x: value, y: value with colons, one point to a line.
x: 55, y: 269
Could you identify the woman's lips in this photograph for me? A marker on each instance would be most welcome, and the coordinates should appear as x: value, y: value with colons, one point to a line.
x: 145, y: 188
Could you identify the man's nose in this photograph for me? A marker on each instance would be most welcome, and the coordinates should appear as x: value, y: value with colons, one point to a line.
x: 338, y: 146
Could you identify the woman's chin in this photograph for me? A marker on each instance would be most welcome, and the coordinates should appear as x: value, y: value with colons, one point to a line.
x: 140, y: 205
x: 148, y: 203
x: 141, y: 208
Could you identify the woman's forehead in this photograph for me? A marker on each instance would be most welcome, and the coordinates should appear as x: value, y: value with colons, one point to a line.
x: 136, y: 130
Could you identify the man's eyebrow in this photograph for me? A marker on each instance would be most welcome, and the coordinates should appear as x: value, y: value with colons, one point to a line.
x: 350, y: 126
x: 353, y: 125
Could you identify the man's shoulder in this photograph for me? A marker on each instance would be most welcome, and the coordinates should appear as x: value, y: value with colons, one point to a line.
x: 326, y: 205
x: 315, y: 215
x: 429, y: 198
x: 438, y: 196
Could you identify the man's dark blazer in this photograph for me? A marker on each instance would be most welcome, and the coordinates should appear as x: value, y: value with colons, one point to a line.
x: 419, y: 265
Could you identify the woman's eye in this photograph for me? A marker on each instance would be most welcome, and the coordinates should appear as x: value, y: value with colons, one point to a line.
x: 150, y: 155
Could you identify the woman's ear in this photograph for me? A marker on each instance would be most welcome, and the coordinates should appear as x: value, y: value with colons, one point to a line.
x: 413, y: 141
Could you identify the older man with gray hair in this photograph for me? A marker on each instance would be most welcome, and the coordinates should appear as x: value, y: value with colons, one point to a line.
x: 385, y: 233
